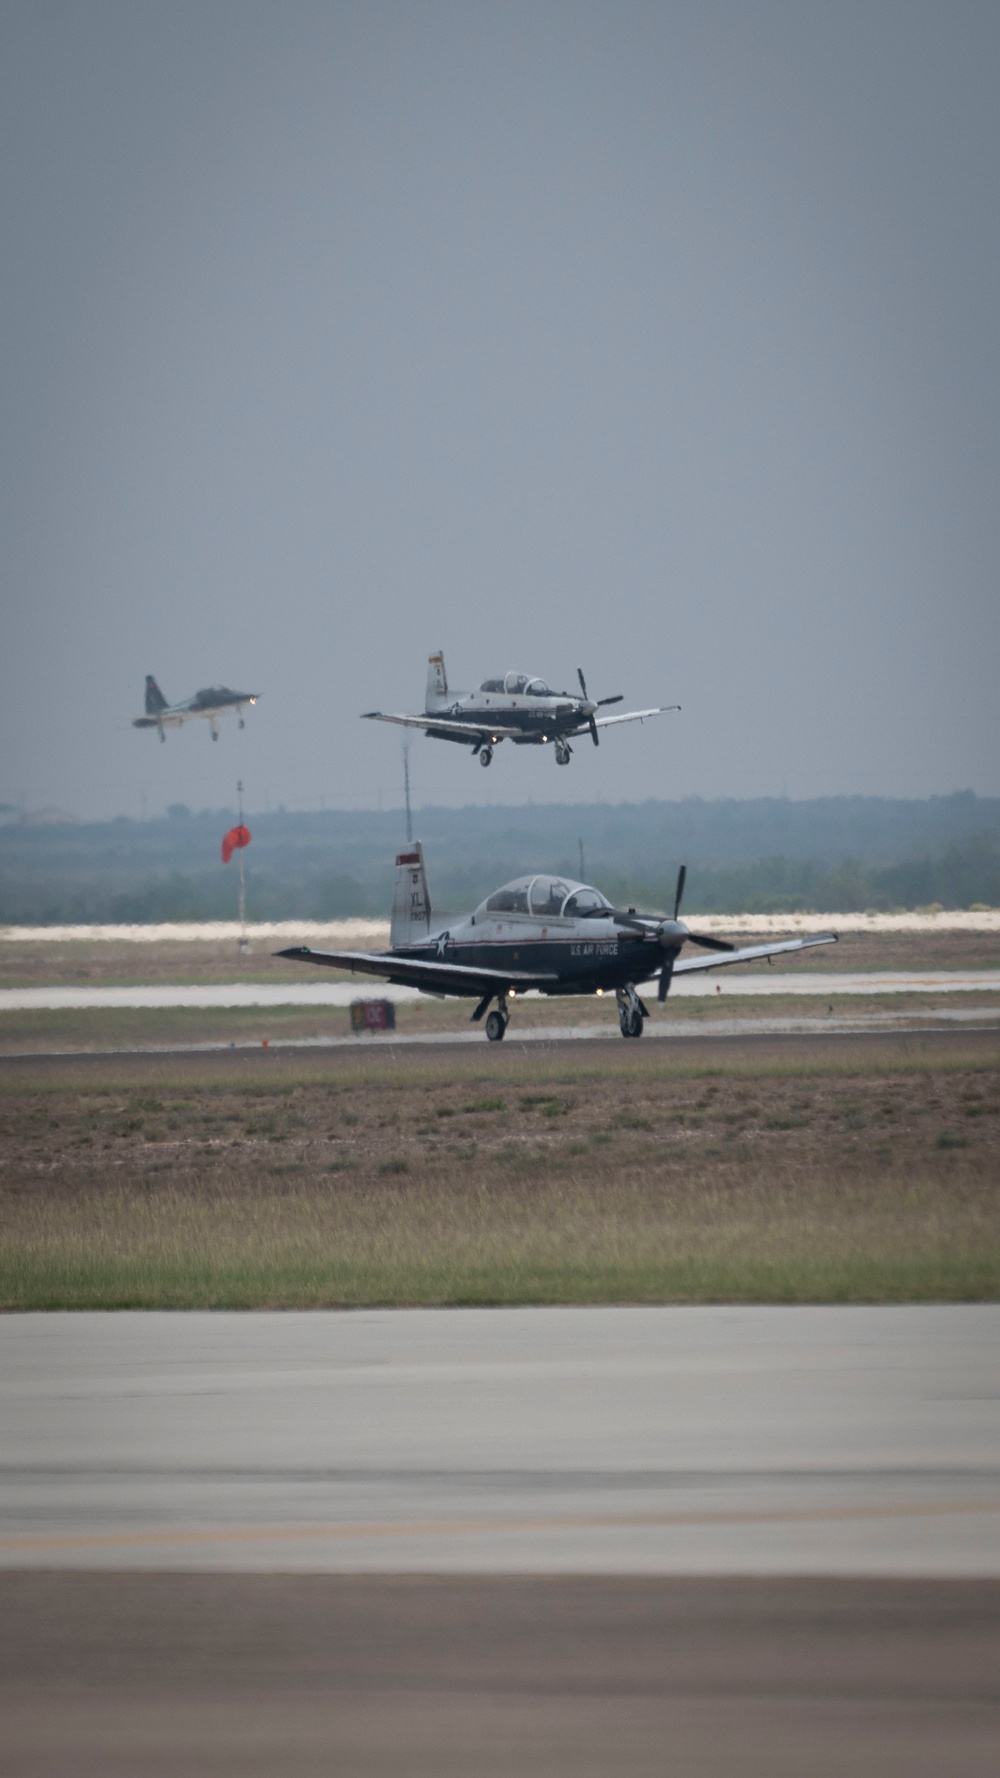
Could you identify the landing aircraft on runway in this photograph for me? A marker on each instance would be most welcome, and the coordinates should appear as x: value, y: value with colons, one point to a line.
x: 214, y: 701
x: 518, y: 708
x: 538, y: 932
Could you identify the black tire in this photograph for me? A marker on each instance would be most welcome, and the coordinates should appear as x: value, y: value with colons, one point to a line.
x: 485, y: 755
x: 496, y: 1026
x: 632, y: 1024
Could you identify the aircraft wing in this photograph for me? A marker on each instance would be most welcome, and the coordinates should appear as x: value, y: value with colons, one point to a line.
x: 719, y: 959
x: 632, y: 716
x: 432, y: 974
x: 163, y: 721
x: 469, y: 731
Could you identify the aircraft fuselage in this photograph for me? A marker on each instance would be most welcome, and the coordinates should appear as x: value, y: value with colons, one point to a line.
x: 587, y: 956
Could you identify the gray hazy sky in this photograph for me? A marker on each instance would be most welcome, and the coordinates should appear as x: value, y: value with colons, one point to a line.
x: 655, y: 338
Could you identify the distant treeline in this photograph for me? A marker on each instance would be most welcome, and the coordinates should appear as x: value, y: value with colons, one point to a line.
x: 768, y: 855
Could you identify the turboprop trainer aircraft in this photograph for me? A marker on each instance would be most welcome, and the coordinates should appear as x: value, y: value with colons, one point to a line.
x: 538, y: 932
x: 214, y: 701
x: 518, y: 708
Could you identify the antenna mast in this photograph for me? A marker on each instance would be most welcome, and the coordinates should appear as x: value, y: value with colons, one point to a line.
x: 406, y: 790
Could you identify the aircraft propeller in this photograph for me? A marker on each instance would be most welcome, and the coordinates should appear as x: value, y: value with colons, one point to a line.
x: 590, y: 714
x: 669, y: 933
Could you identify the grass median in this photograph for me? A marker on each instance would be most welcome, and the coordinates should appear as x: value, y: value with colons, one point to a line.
x: 861, y: 1171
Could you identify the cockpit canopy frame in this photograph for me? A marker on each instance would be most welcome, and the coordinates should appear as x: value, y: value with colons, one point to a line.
x: 543, y: 895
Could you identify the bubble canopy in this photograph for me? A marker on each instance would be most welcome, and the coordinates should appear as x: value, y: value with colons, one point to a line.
x: 540, y: 895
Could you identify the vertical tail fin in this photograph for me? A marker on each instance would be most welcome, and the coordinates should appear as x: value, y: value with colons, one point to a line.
x: 155, y: 700
x: 411, y: 904
x: 437, y: 681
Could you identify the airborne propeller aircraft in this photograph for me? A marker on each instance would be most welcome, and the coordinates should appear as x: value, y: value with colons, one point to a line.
x: 214, y: 701
x: 518, y: 708
x: 540, y: 932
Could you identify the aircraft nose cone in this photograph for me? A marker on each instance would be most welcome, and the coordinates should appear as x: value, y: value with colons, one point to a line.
x: 671, y: 932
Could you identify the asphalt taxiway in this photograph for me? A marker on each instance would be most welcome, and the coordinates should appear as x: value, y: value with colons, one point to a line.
x: 110, y: 1675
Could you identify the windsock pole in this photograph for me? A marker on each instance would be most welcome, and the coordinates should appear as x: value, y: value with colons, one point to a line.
x: 243, y: 886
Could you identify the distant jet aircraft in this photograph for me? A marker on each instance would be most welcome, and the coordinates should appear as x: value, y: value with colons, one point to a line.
x: 518, y: 708
x: 214, y: 701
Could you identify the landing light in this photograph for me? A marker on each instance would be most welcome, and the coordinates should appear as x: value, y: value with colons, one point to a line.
x: 253, y: 700
x: 600, y: 991
x: 511, y: 993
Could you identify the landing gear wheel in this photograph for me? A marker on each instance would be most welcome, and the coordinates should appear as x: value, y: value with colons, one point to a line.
x: 563, y: 751
x: 496, y: 1026
x: 242, y: 723
x: 215, y: 734
x: 485, y: 755
x: 631, y: 1022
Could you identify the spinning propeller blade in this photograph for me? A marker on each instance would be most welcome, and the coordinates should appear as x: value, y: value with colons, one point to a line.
x: 593, y: 726
x: 697, y: 938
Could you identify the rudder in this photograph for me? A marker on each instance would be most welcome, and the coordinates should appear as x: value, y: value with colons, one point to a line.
x: 155, y: 700
x: 411, y: 904
x: 437, y: 681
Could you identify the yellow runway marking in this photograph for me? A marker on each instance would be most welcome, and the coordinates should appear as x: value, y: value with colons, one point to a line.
x: 361, y: 1530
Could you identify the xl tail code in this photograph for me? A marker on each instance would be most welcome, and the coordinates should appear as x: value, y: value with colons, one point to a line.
x: 411, y: 903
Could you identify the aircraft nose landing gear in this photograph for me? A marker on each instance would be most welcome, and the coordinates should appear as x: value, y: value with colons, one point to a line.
x: 630, y: 1012
x: 563, y: 751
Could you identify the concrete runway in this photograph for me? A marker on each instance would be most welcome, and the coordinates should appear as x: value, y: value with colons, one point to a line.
x: 781, y: 1441
x: 296, y: 992
x: 622, y: 1541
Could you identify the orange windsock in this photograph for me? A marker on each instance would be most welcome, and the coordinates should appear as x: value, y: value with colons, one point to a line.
x: 233, y: 840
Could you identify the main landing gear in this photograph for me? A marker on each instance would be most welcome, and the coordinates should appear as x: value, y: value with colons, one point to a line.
x: 485, y: 756
x: 497, y: 1021
x: 631, y: 1012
